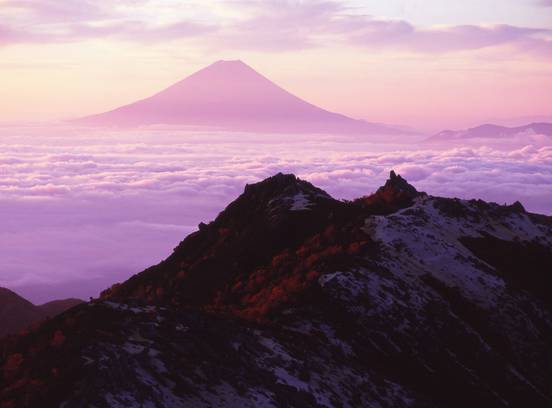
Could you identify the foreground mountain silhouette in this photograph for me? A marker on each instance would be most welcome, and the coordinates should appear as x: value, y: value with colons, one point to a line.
x: 17, y: 313
x: 290, y: 298
x: 231, y: 95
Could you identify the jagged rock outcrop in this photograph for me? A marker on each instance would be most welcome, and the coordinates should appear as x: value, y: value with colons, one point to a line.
x: 397, y: 185
x: 290, y: 298
x: 395, y: 194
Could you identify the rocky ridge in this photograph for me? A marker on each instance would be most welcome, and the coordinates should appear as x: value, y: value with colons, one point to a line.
x: 290, y: 298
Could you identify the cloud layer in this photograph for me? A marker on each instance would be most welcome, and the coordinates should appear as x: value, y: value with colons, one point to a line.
x: 267, y: 25
x: 83, y: 210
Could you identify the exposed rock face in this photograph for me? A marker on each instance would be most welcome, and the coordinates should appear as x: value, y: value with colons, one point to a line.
x: 290, y: 298
x: 396, y: 185
x: 394, y: 195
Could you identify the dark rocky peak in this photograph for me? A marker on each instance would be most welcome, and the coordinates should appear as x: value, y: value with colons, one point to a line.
x: 397, y: 185
x: 518, y: 207
x: 270, y: 217
x: 325, y: 305
x: 476, y: 209
x: 275, y: 197
x: 395, y: 194
x: 281, y: 185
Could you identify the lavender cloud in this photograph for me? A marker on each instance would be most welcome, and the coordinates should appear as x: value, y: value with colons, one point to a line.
x: 56, y: 11
x: 267, y: 25
x: 48, y: 21
x: 401, y: 34
x: 289, y: 25
x: 94, y: 208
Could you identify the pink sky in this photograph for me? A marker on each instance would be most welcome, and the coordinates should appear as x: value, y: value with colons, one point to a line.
x: 86, y: 208
x: 429, y: 64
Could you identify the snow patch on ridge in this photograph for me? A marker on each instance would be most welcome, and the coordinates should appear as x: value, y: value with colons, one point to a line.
x: 422, y: 240
x: 300, y: 202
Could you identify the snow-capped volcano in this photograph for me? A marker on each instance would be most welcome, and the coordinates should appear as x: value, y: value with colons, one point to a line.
x: 232, y: 95
x: 290, y: 298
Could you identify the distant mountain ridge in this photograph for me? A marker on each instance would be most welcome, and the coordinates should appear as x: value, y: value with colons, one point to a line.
x: 231, y: 95
x: 490, y: 131
x: 17, y: 313
x: 290, y: 298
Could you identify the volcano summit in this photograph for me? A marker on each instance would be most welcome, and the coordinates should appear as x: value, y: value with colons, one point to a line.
x: 231, y: 95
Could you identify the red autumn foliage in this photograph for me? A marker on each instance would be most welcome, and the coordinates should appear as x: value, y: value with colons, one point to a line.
x: 12, y: 364
x: 58, y: 339
x: 289, y: 274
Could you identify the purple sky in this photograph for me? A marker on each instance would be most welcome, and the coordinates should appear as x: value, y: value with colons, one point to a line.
x: 84, y: 209
x: 472, y: 60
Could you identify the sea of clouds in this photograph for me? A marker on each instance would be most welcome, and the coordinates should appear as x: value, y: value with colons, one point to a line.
x: 82, y: 210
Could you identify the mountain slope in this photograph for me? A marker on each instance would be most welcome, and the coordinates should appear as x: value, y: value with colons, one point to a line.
x: 56, y: 307
x: 17, y: 314
x: 231, y: 95
x: 489, y: 131
x: 290, y: 298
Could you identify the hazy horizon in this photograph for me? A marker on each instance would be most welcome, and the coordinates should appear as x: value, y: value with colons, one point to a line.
x: 298, y: 203
x: 87, y: 207
x: 460, y: 65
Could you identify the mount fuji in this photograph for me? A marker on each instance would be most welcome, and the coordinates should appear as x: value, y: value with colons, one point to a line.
x: 232, y: 95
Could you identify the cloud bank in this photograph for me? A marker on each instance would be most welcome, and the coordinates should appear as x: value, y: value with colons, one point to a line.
x: 82, y: 211
x: 267, y: 25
